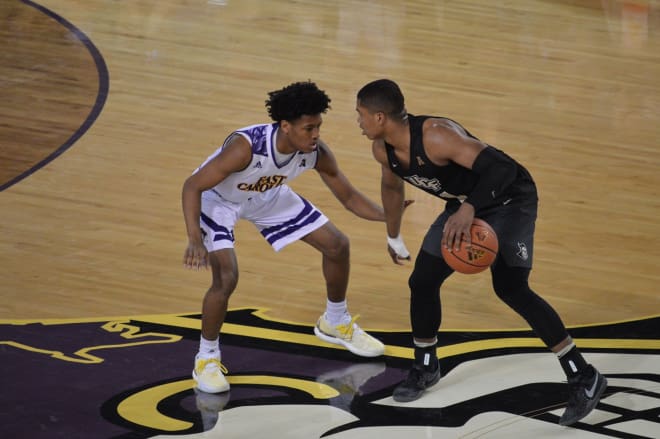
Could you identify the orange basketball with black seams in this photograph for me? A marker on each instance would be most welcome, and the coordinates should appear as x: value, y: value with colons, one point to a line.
x: 480, y: 255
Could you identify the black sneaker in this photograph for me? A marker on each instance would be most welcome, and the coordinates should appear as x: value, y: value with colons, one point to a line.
x: 416, y: 382
x: 585, y: 392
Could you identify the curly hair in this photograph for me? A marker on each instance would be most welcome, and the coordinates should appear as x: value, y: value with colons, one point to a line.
x: 296, y: 100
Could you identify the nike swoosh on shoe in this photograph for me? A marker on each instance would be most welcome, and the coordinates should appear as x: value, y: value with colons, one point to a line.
x: 590, y: 392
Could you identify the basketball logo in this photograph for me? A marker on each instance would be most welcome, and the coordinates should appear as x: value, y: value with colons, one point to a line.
x: 480, y: 255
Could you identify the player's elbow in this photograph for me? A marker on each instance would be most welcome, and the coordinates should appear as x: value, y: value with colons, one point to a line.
x: 190, y: 187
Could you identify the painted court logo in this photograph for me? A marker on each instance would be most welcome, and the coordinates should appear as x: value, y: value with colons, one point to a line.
x: 130, y: 377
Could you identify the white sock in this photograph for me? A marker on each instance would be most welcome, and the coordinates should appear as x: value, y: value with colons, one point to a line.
x: 420, y: 344
x: 209, y: 348
x: 336, y: 312
x: 566, y: 350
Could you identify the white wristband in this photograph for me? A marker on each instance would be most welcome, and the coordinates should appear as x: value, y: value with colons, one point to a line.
x: 398, y: 246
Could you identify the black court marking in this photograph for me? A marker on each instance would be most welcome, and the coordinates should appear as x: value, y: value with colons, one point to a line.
x: 102, y: 94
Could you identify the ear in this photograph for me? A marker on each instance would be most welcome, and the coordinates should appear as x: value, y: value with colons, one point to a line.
x: 285, y: 126
x: 380, y: 117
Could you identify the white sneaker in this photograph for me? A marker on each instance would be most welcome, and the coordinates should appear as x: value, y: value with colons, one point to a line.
x: 349, y: 335
x: 209, y: 375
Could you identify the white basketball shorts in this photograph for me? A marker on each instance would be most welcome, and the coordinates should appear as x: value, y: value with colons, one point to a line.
x: 282, y: 218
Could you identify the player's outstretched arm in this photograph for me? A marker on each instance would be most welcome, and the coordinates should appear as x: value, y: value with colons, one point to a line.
x: 393, y: 197
x: 352, y: 199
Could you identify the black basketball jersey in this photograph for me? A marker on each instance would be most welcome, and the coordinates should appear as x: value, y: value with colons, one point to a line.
x: 452, y: 182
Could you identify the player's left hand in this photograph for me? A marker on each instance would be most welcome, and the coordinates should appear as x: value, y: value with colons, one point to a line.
x: 457, y: 227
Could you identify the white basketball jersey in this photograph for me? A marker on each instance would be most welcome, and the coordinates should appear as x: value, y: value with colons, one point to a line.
x: 263, y: 176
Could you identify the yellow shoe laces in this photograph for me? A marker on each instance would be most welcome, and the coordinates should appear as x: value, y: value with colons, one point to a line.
x: 348, y: 328
x: 213, y: 361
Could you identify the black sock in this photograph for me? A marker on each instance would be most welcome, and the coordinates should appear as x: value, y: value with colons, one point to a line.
x: 426, y: 358
x: 573, y: 363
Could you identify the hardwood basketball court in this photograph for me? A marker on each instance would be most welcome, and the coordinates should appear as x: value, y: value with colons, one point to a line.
x: 107, y: 106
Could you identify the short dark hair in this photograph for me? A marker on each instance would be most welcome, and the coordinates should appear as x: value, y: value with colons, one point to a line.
x: 383, y: 95
x: 296, y: 100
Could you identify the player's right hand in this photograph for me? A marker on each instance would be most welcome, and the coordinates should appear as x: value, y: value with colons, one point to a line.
x: 196, y: 256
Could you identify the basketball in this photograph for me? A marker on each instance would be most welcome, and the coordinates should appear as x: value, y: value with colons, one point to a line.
x: 480, y: 256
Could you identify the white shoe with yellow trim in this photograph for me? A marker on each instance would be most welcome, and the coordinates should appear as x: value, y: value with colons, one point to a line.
x: 349, y: 335
x: 209, y: 375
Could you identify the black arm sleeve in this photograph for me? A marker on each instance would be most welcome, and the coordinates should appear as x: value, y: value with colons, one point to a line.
x: 496, y: 172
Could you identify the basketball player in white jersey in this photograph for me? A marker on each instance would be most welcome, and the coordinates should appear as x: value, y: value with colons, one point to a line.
x: 247, y: 178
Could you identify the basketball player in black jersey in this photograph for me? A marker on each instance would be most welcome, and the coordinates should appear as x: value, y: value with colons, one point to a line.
x: 442, y: 158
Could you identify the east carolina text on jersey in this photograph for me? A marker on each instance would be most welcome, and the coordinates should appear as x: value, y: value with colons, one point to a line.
x: 263, y: 184
x: 263, y: 175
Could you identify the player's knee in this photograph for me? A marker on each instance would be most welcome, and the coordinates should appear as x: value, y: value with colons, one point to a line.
x: 224, y: 283
x: 429, y: 273
x: 420, y: 281
x: 517, y: 298
x: 511, y: 283
x: 339, y: 248
x: 514, y: 291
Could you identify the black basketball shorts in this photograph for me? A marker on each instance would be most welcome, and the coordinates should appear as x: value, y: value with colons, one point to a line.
x: 513, y: 223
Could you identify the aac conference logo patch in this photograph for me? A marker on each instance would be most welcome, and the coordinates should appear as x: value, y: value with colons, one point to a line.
x: 130, y: 378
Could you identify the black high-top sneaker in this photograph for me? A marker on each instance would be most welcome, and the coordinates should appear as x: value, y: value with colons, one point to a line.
x: 418, y: 380
x: 585, y: 392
